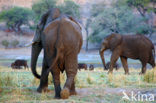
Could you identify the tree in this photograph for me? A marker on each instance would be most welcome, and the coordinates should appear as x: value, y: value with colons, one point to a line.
x: 41, y: 6
x: 115, y: 18
x: 15, y: 17
x: 143, y: 6
x: 71, y: 8
x: 68, y: 7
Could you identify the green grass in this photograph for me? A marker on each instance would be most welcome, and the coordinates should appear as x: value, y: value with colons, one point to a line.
x: 20, y: 86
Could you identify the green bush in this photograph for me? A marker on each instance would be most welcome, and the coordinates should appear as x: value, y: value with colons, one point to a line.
x: 68, y: 7
x: 118, y: 18
x: 150, y: 76
x: 5, y: 43
x: 15, y: 17
x: 14, y: 43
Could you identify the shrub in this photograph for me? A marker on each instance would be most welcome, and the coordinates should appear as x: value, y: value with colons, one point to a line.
x: 6, y: 80
x: 5, y: 43
x: 14, y: 43
x: 150, y: 76
x: 15, y: 17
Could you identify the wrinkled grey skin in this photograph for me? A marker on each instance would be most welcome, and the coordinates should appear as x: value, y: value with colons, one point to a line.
x: 61, y: 39
x: 128, y: 46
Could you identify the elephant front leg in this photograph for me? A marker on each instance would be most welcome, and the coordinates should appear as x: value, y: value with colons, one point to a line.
x: 125, y: 65
x: 56, y: 78
x: 114, y: 58
x: 71, y: 71
x: 44, y: 79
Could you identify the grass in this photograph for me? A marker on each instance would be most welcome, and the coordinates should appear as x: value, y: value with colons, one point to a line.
x: 20, y: 86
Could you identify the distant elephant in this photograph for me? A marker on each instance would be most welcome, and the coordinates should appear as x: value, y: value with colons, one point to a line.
x: 61, y: 39
x: 91, y: 67
x: 116, y: 66
x: 128, y: 46
x: 19, y: 63
x: 82, y: 66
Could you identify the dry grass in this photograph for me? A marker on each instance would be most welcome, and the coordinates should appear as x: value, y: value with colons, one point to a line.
x: 22, y: 85
x: 150, y: 76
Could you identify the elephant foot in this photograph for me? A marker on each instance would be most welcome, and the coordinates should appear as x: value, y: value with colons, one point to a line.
x: 73, y: 92
x: 65, y: 93
x: 45, y: 89
x: 57, y: 97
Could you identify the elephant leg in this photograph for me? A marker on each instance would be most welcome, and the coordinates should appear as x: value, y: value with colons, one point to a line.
x: 72, y: 90
x: 44, y: 78
x: 114, y: 58
x: 71, y: 70
x: 125, y: 65
x: 143, y: 70
x: 56, y: 78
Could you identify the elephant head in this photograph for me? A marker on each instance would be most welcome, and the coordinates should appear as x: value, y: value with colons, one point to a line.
x: 110, y: 42
x: 37, y: 44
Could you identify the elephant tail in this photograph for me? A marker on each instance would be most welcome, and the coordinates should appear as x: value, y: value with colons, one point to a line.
x: 153, y: 52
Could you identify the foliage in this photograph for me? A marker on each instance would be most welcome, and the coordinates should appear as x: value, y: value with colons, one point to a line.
x: 41, y: 6
x: 143, y: 6
x: 150, y: 76
x: 71, y: 8
x: 14, y: 43
x: 5, y: 43
x: 68, y: 7
x: 118, y: 18
x: 15, y: 17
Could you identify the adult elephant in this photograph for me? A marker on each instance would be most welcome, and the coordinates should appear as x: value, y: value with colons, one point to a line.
x: 61, y: 39
x: 128, y: 46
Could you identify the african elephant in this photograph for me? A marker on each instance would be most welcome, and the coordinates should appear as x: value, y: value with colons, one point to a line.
x: 116, y: 66
x: 61, y: 39
x: 82, y: 66
x: 19, y: 63
x: 91, y: 67
x: 128, y: 46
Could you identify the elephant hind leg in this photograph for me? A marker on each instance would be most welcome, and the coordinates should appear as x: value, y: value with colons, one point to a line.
x: 56, y: 78
x: 143, y: 71
x: 71, y: 71
x: 152, y: 61
x: 72, y: 90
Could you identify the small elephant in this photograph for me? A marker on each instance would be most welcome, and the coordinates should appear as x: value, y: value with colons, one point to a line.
x: 19, y: 63
x: 82, y: 66
x: 128, y: 46
x: 116, y: 66
x: 60, y: 37
x: 91, y: 67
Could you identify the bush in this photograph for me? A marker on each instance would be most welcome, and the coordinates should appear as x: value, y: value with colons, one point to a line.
x: 150, y: 76
x: 15, y: 17
x: 14, y: 43
x: 5, y: 43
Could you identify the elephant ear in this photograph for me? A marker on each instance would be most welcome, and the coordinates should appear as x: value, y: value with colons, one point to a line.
x: 56, y: 13
x: 72, y: 19
x: 115, y: 41
x: 51, y: 25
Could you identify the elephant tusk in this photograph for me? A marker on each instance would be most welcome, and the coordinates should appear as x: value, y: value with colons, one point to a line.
x: 29, y: 44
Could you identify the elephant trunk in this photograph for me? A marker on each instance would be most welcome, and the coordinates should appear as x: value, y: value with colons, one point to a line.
x: 36, y: 49
x: 101, y: 52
